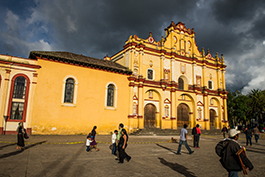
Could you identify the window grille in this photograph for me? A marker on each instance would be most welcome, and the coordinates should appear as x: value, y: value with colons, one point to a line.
x: 69, y: 90
x: 110, y: 96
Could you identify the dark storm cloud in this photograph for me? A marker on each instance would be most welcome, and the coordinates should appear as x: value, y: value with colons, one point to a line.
x: 96, y: 28
x: 245, y: 20
x: 101, y: 27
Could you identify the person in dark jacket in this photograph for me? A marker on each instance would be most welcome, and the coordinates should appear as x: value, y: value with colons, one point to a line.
x: 122, y: 146
x: 93, y: 138
x: 196, y: 132
x: 230, y: 160
x: 20, y: 136
x: 248, y: 133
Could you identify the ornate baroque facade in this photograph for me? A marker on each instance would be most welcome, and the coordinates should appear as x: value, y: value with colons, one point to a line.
x: 173, y: 82
x: 162, y: 84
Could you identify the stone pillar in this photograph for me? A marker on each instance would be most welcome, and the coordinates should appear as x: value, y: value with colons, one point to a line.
x: 206, y: 112
x: 173, y: 108
x: 30, y: 103
x: 225, y: 111
x: 140, y: 103
x: 4, y: 100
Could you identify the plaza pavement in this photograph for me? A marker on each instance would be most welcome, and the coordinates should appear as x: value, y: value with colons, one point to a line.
x: 151, y: 156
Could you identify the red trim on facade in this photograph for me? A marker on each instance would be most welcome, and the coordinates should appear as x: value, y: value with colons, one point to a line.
x: 170, y: 54
x: 35, y: 74
x: 173, y: 118
x: 91, y: 67
x: 11, y: 97
x: 1, y: 130
x: 131, y: 116
x: 8, y: 71
x: 140, y: 117
x: 20, y: 64
x: 29, y: 131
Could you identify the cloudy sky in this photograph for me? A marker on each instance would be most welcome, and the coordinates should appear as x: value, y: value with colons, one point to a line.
x: 235, y: 28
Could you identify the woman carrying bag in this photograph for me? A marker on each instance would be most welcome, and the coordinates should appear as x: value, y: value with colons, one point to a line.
x: 21, y: 133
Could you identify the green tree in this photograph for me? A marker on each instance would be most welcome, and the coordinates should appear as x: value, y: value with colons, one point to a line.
x: 237, y: 108
x: 257, y: 103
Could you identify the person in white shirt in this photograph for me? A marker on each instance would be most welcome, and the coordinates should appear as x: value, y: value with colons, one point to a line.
x: 183, y: 140
x: 88, y: 141
x: 113, y: 140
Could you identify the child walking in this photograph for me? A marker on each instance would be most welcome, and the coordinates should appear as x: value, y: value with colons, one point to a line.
x: 88, y: 141
x: 113, y: 140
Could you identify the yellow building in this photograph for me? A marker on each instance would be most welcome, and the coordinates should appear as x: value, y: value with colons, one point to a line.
x: 18, y: 79
x: 173, y: 83
x: 162, y: 84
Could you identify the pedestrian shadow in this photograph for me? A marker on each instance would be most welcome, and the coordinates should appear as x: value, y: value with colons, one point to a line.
x: 254, y: 148
x: 171, y: 150
x: 255, y: 151
x: 177, y: 167
x: 67, y: 165
x: 20, y: 151
x: 1, y: 147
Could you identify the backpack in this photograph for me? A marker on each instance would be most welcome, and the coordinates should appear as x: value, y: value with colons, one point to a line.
x: 194, y: 131
x: 220, y: 147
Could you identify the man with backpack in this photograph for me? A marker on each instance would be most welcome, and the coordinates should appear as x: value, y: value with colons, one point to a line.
x: 196, y: 132
x: 231, y: 157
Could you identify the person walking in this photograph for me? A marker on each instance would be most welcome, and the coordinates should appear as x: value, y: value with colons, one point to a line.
x: 196, y: 139
x: 183, y: 140
x: 113, y: 140
x: 20, y: 136
x: 256, y: 133
x: 224, y: 130
x: 93, y: 138
x: 122, y: 146
x: 88, y: 141
x: 229, y: 158
x: 118, y: 139
x: 248, y: 133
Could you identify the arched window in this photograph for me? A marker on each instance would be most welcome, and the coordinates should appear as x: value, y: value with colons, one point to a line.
x: 134, y: 109
x: 110, y: 96
x: 20, y: 86
x: 210, y: 85
x: 150, y: 74
x: 181, y: 84
x: 69, y: 90
x: 199, y: 113
x: 18, y: 98
x: 166, y: 111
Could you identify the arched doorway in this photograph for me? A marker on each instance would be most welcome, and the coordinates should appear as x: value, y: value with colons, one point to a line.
x: 182, y: 115
x: 149, y: 116
x: 212, y: 118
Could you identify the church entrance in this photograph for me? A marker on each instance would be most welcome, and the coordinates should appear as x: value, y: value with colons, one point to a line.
x: 149, y: 116
x: 212, y: 118
x: 182, y: 115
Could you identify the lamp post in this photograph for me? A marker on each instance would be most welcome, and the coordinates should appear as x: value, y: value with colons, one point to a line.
x: 5, y: 118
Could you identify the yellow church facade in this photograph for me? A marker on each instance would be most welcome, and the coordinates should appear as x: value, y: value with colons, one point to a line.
x: 148, y: 84
x: 173, y: 83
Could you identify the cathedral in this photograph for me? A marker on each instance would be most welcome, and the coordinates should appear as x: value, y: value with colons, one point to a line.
x: 150, y: 83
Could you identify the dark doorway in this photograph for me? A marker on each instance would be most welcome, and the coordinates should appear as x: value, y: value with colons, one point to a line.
x: 212, y: 118
x: 149, y: 116
x: 182, y: 115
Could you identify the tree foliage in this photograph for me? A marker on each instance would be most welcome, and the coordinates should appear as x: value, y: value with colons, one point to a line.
x: 242, y: 108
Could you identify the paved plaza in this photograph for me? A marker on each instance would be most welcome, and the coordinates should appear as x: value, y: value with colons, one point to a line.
x: 151, y: 156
